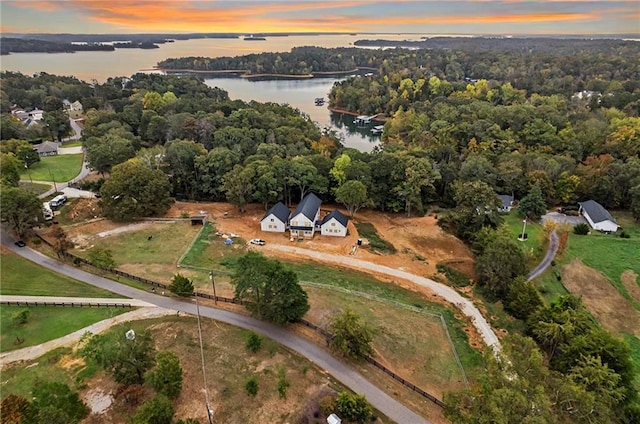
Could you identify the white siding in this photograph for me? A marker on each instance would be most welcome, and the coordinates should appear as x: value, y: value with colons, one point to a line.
x: 271, y: 223
x: 333, y: 228
x: 601, y: 226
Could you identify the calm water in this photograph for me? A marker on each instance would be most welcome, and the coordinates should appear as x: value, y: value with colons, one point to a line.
x: 299, y: 93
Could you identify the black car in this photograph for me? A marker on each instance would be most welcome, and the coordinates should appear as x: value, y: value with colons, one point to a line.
x: 20, y: 243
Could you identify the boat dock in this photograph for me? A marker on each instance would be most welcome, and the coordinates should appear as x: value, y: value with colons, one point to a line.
x: 362, y: 120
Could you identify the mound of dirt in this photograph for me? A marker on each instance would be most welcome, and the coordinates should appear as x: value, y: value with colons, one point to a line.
x: 611, y: 310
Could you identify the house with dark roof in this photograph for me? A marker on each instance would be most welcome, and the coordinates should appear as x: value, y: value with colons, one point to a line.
x: 598, y: 217
x: 506, y: 203
x: 276, y: 220
x: 48, y: 148
x: 334, y: 224
x: 303, y: 220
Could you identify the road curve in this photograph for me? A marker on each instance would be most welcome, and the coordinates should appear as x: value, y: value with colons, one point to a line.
x: 465, y: 305
x: 345, y: 374
x: 548, y: 257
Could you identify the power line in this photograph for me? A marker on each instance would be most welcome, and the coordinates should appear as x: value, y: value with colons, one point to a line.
x: 204, y: 376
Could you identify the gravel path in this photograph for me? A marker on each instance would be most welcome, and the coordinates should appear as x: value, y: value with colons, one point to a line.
x: 548, y: 257
x: 340, y: 371
x: 465, y: 305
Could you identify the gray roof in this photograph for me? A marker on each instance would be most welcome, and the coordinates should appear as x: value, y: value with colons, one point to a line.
x: 338, y: 216
x: 308, y: 206
x: 506, y: 200
x: 596, y: 212
x: 46, y: 147
x: 280, y: 211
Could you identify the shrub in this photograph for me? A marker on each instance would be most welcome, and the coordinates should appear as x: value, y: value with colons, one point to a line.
x: 581, y: 229
x: 166, y: 377
x: 158, y: 410
x: 251, y: 386
x: 455, y: 277
x: 36, y: 241
x: 181, y: 286
x: 21, y: 317
x: 624, y: 235
x: 353, y: 407
x: 283, y: 383
x: 328, y: 405
x: 254, y: 343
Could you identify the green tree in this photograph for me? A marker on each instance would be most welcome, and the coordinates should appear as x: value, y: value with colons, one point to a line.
x: 476, y: 207
x: 10, y: 167
x: 181, y: 285
x: 126, y: 358
x: 158, y: 410
x: 533, y: 205
x: 61, y: 242
x: 635, y: 202
x: 20, y: 317
x: 353, y: 407
x: 135, y: 191
x: 111, y: 149
x: 22, y: 149
x: 238, y: 186
x: 251, y: 386
x: 522, y: 298
x: 253, y: 343
x: 350, y: 336
x: 166, y: 377
x: 101, y: 258
x: 53, y: 402
x: 268, y: 290
x: 20, y: 208
x: 500, y: 262
x: 353, y: 195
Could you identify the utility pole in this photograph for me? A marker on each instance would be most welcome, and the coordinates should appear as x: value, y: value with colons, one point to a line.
x: 53, y: 179
x: 213, y: 283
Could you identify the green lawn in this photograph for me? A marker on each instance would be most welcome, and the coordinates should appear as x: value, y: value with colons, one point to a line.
x: 376, y: 243
x: 34, y: 187
x: 534, y: 246
x: 59, y: 168
x: 20, y: 276
x: 47, y: 323
x: 168, y: 242
x: 72, y: 144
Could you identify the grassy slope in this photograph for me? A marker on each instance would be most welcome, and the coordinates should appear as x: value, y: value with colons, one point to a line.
x: 20, y: 276
x: 63, y: 168
x: 47, y: 323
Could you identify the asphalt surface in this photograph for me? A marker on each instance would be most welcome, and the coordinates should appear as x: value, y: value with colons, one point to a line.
x: 548, y: 257
x: 342, y: 372
x: 465, y: 305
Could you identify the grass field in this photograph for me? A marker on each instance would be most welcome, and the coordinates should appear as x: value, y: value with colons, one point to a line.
x: 34, y: 187
x: 168, y: 242
x: 209, y: 251
x: 59, y: 168
x: 376, y: 243
x: 20, y: 276
x: 47, y: 323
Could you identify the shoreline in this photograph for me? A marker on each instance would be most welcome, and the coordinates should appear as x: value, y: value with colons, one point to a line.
x: 244, y: 74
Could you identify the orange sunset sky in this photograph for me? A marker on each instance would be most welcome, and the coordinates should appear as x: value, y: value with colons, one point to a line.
x: 410, y: 16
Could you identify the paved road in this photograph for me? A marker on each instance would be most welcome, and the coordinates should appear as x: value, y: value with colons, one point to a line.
x: 546, y: 261
x: 465, y: 305
x: 34, y: 352
x: 345, y: 374
x: 77, y: 131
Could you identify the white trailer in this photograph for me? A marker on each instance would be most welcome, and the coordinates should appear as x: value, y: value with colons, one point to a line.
x: 58, y: 201
x: 47, y: 212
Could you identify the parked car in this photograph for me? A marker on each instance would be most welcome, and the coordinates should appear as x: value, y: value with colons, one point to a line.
x: 20, y: 243
x: 259, y: 242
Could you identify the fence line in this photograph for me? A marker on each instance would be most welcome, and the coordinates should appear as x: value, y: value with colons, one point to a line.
x: 402, y: 306
x: 311, y: 325
x: 63, y: 304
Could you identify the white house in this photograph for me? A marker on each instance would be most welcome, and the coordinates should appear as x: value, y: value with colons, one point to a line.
x: 72, y: 106
x: 334, y: 224
x: 36, y: 114
x: 276, y: 219
x: 303, y: 220
x: 506, y: 203
x: 598, y: 217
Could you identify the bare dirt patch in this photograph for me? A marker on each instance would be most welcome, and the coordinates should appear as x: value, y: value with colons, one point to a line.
x: 602, y: 299
x: 630, y: 281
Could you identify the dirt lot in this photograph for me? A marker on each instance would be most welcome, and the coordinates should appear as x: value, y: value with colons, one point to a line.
x: 611, y: 310
x: 412, y: 237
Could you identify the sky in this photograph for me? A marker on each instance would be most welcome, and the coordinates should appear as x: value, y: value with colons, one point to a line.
x: 481, y: 17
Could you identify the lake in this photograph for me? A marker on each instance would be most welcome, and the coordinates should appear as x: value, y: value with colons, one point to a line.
x: 297, y: 93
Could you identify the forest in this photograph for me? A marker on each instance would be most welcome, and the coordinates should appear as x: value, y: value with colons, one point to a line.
x: 462, y: 126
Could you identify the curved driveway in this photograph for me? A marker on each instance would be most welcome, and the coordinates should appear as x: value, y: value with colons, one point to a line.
x: 465, y: 305
x: 548, y: 257
x: 345, y: 374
